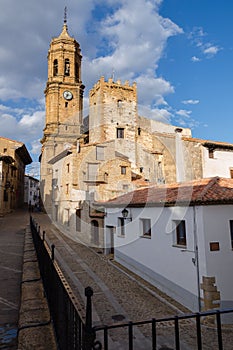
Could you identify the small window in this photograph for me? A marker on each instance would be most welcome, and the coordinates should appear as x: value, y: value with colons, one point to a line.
x: 121, y: 225
x: 139, y: 131
x: 120, y: 133
x: 231, y: 173
x: 99, y: 153
x: 119, y: 103
x: 211, y: 153
x: 123, y: 170
x: 55, y: 68
x: 146, y: 227
x: 67, y: 67
x: 67, y: 188
x: 4, y: 150
x: 180, y: 237
x: 231, y: 233
x: 141, y: 169
x: 66, y: 104
x: 125, y: 187
x: 68, y: 167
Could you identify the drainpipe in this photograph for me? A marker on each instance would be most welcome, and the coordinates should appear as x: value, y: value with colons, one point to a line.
x: 196, y: 261
x: 180, y: 165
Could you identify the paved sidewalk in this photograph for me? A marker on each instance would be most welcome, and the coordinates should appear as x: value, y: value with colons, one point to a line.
x: 12, y: 230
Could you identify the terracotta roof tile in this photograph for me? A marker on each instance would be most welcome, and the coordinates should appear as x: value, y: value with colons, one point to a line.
x: 204, y: 191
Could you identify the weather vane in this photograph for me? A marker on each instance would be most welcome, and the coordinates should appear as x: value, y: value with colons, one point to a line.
x: 65, y: 14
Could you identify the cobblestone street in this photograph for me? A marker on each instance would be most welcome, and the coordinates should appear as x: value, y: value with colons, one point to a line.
x: 120, y: 295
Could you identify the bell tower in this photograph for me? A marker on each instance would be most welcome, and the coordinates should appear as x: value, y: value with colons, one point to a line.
x: 64, y: 89
x: 63, y: 104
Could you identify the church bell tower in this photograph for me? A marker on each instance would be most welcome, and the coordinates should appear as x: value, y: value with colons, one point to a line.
x: 63, y: 103
x: 64, y: 89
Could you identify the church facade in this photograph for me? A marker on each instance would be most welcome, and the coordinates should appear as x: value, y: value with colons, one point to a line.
x: 111, y: 151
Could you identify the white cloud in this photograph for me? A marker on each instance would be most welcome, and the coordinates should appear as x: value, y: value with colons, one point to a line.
x: 184, y: 113
x: 211, y: 50
x: 26, y: 128
x: 198, y: 38
x: 190, y: 102
x: 135, y: 37
x: 195, y: 59
x: 159, y: 114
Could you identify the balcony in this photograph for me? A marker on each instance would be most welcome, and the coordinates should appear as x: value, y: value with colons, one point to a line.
x: 96, y: 178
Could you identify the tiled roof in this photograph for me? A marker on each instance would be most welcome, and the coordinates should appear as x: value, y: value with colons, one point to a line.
x: 203, y: 192
x: 209, y: 143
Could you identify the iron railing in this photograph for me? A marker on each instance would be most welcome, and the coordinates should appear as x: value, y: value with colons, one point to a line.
x: 74, y: 329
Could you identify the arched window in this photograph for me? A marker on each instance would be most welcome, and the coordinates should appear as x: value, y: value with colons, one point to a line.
x: 55, y: 68
x: 67, y: 67
x: 77, y: 70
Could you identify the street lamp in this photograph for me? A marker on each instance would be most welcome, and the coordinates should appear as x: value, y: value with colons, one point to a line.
x: 125, y: 213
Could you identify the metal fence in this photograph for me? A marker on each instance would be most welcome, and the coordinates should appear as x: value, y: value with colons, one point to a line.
x: 73, y: 325
x: 73, y: 330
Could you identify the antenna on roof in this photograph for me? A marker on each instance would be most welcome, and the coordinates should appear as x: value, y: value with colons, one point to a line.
x: 65, y: 15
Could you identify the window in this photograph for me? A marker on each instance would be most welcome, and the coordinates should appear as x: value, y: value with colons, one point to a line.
x: 119, y: 103
x: 67, y: 188
x: 231, y: 173
x: 99, y: 153
x: 125, y: 187
x: 231, y: 233
x: 55, y: 68
x: 121, y: 224
x: 68, y: 167
x: 211, y: 153
x: 66, y: 104
x: 92, y: 171
x: 180, y: 236
x: 139, y: 131
x: 123, y: 170
x: 146, y: 227
x: 141, y: 169
x: 77, y: 70
x: 67, y: 67
x: 120, y: 133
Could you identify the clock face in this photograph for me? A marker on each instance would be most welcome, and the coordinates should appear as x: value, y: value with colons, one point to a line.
x: 67, y: 95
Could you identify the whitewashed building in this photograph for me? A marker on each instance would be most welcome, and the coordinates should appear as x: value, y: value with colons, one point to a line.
x: 31, y: 191
x: 179, y: 237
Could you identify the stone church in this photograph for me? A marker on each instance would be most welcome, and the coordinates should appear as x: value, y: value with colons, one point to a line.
x: 113, y: 150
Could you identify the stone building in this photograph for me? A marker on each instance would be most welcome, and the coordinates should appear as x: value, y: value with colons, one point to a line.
x: 112, y: 151
x: 13, y: 159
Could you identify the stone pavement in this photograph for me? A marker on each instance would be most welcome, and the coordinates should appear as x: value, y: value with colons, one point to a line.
x: 25, y: 322
x: 120, y: 295
x: 12, y: 230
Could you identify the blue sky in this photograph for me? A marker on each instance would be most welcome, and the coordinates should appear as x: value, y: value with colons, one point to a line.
x: 180, y: 53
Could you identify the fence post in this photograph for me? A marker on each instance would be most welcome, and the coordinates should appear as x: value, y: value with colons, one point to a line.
x: 53, y: 248
x: 89, y: 334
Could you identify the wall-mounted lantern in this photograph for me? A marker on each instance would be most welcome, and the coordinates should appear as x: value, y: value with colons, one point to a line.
x: 125, y: 213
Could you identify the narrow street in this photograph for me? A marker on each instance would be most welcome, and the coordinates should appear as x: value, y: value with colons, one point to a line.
x: 121, y: 296
x: 12, y: 229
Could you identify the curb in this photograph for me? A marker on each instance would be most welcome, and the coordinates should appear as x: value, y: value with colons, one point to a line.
x: 35, y: 329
